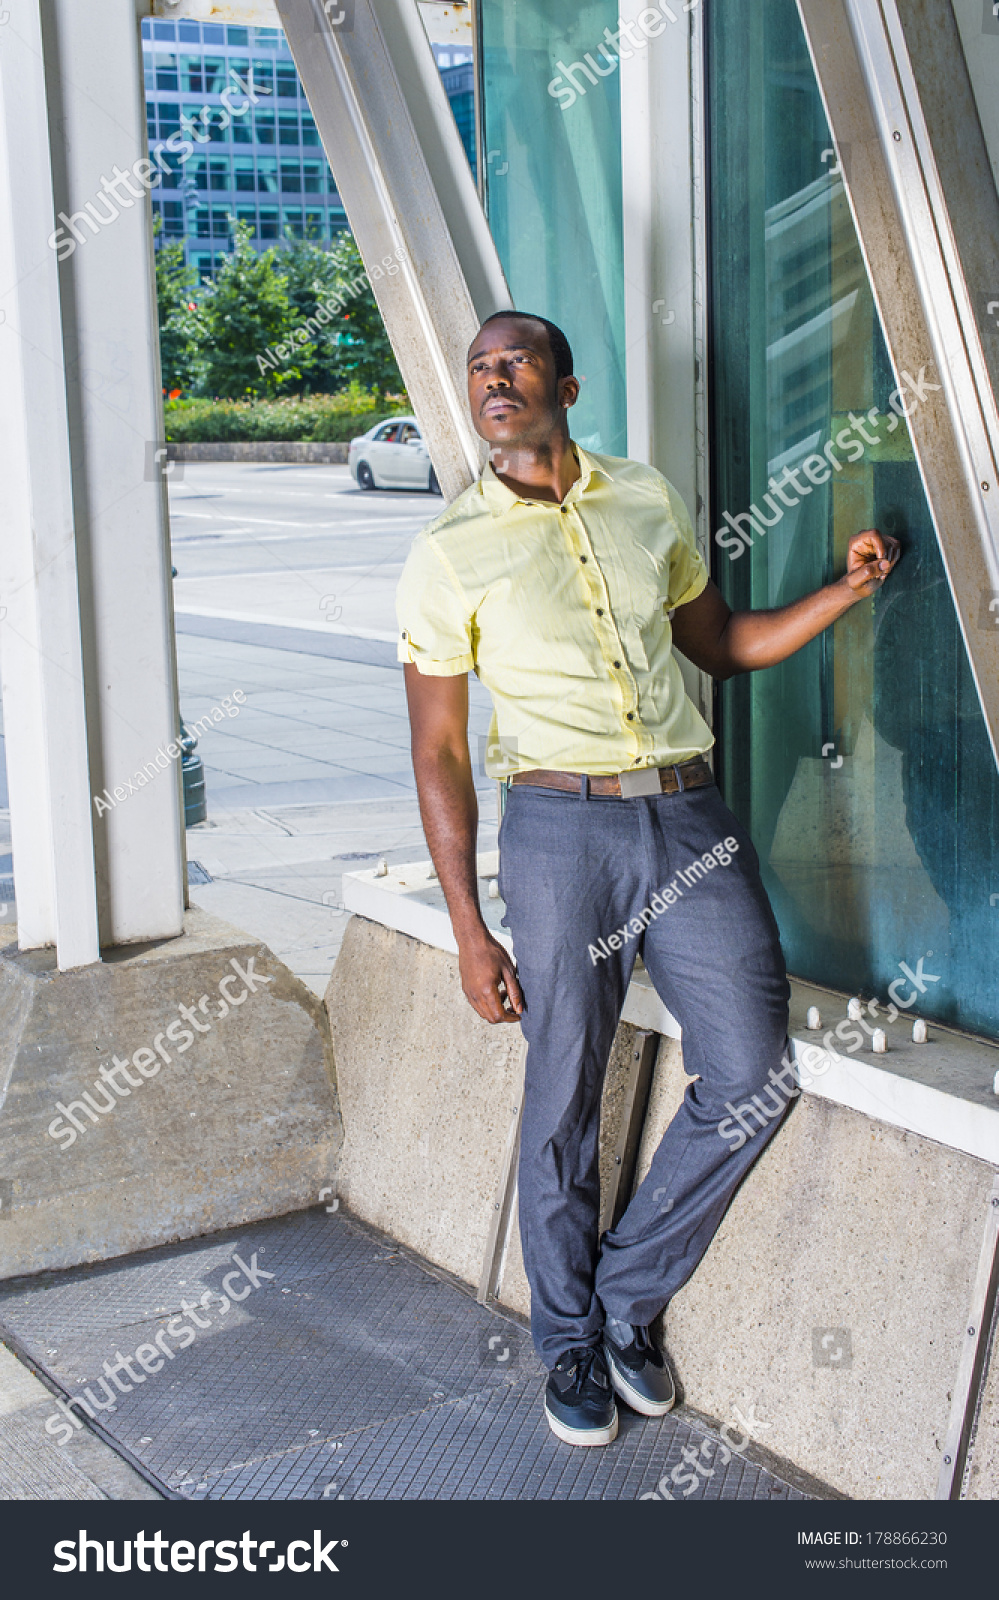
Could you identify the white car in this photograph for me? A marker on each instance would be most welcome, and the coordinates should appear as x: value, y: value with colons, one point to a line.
x: 392, y: 455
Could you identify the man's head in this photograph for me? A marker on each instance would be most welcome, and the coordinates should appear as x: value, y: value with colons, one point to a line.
x: 520, y: 379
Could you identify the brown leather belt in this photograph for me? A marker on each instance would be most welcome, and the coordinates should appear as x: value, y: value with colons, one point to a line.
x: 644, y: 781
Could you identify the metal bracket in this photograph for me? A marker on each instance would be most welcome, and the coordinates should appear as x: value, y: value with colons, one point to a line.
x: 974, y: 1353
x: 501, y: 1220
x: 636, y: 1104
x: 634, y: 784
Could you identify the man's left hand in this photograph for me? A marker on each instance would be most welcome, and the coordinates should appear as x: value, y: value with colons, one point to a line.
x: 870, y: 556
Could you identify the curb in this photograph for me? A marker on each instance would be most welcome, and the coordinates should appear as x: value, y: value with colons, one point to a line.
x: 334, y: 453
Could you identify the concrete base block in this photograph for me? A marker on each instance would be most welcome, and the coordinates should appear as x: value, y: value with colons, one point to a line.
x: 429, y: 1092
x: 833, y: 1299
x: 222, y: 1109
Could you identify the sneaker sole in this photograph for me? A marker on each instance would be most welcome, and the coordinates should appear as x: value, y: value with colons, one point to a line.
x: 631, y: 1397
x: 583, y: 1436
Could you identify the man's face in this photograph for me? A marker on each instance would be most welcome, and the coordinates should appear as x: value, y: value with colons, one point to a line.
x: 513, y: 392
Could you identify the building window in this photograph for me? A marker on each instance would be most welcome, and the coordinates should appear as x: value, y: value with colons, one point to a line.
x: 291, y: 218
x: 171, y: 177
x: 861, y: 767
x: 192, y: 75
x: 247, y: 214
x: 310, y: 133
x: 263, y: 121
x: 189, y: 32
x: 238, y: 38
x: 287, y: 81
x: 169, y: 118
x: 173, y: 219
x: 313, y: 177
x: 315, y: 224
x: 215, y: 74
x: 218, y: 172
x: 288, y: 126
x: 166, y: 72
x: 267, y: 38
x: 221, y: 223
x: 263, y: 76
x: 291, y: 177
x: 243, y: 173
x: 164, y: 30
x: 268, y: 222
x: 197, y: 171
x: 267, y: 179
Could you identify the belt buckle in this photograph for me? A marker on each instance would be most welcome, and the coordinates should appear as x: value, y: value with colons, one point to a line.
x: 636, y: 784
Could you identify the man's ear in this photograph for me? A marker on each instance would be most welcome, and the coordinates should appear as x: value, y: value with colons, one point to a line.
x: 568, y: 392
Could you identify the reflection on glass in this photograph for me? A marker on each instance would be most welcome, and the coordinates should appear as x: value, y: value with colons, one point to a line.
x: 553, y: 192
x: 861, y: 766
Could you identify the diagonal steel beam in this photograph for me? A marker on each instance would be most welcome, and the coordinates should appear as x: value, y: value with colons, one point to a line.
x: 895, y: 86
x: 390, y: 138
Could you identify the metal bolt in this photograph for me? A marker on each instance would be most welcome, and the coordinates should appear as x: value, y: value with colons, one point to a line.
x: 897, y: 137
x: 985, y: 487
x: 946, y: 1461
x: 971, y: 1333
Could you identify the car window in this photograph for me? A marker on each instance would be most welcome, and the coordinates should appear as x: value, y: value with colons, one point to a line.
x: 390, y: 434
x: 384, y: 433
x: 410, y: 434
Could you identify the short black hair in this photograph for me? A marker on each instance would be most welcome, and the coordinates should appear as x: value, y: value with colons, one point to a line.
x: 559, y: 344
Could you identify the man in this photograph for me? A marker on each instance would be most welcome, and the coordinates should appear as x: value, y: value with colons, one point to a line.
x: 564, y: 580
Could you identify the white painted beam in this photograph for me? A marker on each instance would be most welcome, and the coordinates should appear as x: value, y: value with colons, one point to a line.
x: 97, y: 104
x: 404, y: 179
x: 40, y: 638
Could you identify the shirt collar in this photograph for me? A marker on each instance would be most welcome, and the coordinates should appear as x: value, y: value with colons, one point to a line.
x: 499, y: 498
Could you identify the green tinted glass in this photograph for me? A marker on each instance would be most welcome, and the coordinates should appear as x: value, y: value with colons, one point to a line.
x: 861, y: 766
x: 553, y: 190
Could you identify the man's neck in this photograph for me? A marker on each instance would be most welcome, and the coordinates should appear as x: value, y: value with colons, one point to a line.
x: 538, y: 472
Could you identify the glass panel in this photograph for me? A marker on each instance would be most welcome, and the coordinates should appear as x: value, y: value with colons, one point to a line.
x: 861, y: 766
x: 169, y: 118
x: 191, y: 75
x: 263, y: 77
x: 268, y: 222
x: 166, y: 72
x: 247, y: 214
x: 238, y: 36
x: 267, y: 173
x: 292, y: 216
x: 189, y: 32
x: 244, y: 172
x: 312, y: 177
x: 310, y: 133
x: 553, y: 191
x: 264, y: 123
x: 315, y: 224
x: 198, y: 170
x: 288, y: 121
x: 287, y: 81
x: 291, y: 177
x: 215, y: 74
x: 219, y: 172
x: 164, y: 30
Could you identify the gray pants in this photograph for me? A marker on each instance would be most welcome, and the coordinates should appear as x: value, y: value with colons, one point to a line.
x: 573, y: 871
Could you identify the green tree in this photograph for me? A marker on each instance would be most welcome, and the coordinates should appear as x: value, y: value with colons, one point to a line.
x: 179, y: 357
x: 351, y: 345
x: 242, y: 315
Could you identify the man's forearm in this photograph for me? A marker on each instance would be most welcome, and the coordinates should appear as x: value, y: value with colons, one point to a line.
x: 755, y: 639
x: 450, y: 815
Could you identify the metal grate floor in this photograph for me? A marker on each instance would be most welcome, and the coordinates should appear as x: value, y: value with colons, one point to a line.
x: 353, y: 1372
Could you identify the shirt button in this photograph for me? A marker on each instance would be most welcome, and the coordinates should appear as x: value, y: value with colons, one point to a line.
x: 583, y: 560
x: 617, y: 664
x: 599, y: 612
x: 631, y: 716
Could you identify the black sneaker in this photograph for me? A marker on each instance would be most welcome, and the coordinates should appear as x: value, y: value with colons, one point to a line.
x: 638, y: 1370
x: 579, y: 1401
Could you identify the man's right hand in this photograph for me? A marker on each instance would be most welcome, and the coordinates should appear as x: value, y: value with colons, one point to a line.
x: 489, y: 978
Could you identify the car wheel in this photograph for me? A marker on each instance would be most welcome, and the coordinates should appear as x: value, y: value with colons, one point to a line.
x: 433, y: 486
x: 365, y: 476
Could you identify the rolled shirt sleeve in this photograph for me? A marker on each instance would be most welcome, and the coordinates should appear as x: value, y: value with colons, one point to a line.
x: 435, y: 623
x: 688, y: 574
